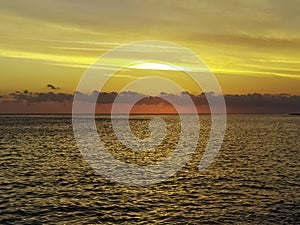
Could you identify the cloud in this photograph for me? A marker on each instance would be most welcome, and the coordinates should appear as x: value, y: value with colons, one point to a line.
x: 249, y: 103
x: 268, y: 103
x: 265, y: 28
x: 39, y: 97
x: 52, y: 87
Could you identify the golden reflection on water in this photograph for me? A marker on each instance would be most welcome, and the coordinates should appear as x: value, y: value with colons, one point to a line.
x: 254, y: 179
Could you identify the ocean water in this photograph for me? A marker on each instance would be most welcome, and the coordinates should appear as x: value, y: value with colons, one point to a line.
x: 255, y: 178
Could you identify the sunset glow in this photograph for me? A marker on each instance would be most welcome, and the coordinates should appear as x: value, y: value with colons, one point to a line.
x: 252, y: 49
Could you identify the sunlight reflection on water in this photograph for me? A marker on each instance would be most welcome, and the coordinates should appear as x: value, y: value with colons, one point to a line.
x: 254, y: 179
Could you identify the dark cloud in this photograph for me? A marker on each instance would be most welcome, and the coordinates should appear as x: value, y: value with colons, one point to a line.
x: 52, y: 87
x: 268, y: 103
x: 109, y: 97
x: 252, y: 103
x: 39, y: 97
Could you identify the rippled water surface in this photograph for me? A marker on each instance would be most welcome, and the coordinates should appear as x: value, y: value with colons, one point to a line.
x: 255, y: 179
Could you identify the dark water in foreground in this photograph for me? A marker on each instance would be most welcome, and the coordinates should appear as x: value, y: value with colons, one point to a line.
x: 255, y: 179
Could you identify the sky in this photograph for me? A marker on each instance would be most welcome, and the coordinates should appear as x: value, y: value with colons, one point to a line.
x: 252, y: 46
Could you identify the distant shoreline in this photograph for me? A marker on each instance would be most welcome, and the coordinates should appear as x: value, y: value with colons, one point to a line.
x: 107, y: 114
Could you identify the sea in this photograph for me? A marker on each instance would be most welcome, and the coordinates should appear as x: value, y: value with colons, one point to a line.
x: 254, y: 179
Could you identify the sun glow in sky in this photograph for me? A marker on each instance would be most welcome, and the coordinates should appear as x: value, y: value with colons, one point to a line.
x: 251, y: 46
x: 158, y: 66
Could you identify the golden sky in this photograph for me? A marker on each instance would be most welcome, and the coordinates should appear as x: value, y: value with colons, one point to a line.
x: 251, y: 45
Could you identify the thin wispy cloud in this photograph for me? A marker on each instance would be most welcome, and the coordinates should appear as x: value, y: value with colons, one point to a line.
x: 258, y: 39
